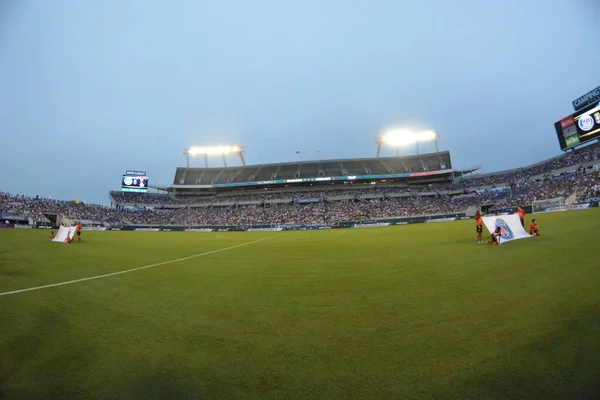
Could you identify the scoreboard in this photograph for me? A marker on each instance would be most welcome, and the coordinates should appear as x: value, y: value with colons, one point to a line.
x: 580, y: 127
x: 134, y: 181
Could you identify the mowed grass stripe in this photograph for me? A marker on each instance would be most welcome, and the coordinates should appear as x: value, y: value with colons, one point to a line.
x: 35, y: 261
x: 178, y: 260
x: 400, y: 312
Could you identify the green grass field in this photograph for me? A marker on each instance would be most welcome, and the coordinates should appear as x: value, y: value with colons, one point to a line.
x: 418, y: 311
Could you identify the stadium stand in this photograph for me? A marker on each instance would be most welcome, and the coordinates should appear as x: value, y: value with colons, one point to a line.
x: 313, y: 169
x: 574, y: 174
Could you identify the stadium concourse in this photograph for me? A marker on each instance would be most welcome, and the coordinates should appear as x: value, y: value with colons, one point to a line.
x: 573, y: 175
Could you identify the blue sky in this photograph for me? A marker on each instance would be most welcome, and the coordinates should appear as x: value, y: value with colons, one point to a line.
x: 89, y: 89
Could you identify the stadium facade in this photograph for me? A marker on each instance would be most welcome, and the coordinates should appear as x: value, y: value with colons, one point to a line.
x: 341, y: 178
x: 418, y: 169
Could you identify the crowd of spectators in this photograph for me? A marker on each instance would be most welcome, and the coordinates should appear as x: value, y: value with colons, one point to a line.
x: 311, y: 213
x: 540, y: 170
x: 142, y: 198
x: 585, y: 185
x: 36, y: 208
x: 503, y: 190
x: 136, y: 199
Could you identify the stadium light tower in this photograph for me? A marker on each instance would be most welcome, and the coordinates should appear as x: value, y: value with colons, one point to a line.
x: 223, y: 151
x: 404, y: 137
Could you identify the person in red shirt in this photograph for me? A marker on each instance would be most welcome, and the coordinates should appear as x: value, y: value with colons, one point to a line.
x: 479, y: 226
x: 78, y: 229
x: 68, y: 239
x: 51, y: 235
x: 496, y: 236
x: 521, y: 213
x: 533, y: 228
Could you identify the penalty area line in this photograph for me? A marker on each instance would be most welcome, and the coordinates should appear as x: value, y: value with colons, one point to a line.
x: 135, y: 269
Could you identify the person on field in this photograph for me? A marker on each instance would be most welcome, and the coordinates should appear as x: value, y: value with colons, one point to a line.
x: 479, y: 226
x: 68, y: 239
x: 51, y: 235
x: 78, y: 229
x: 496, y: 236
x: 533, y: 228
x: 521, y: 213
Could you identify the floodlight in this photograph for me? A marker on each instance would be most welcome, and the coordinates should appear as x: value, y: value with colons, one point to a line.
x: 399, y: 137
x: 427, y: 136
x: 214, y: 151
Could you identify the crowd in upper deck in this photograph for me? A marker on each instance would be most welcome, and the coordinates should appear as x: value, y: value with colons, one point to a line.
x: 519, y: 187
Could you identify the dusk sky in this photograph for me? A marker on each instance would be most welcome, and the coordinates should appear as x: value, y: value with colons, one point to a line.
x: 89, y: 89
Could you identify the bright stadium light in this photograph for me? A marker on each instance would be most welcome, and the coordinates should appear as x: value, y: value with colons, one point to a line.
x: 399, y: 137
x: 216, y: 150
x: 427, y: 136
x: 222, y: 151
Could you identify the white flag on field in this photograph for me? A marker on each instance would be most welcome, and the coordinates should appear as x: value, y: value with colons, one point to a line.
x: 63, y: 232
x: 510, y: 226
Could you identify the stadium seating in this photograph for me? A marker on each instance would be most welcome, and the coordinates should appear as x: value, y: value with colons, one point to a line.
x: 356, y: 206
x: 313, y: 169
x: 567, y: 175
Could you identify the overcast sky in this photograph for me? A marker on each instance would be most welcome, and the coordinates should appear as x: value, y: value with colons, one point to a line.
x: 89, y: 89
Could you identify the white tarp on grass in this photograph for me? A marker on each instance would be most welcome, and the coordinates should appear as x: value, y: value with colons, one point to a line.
x: 63, y: 231
x: 510, y: 226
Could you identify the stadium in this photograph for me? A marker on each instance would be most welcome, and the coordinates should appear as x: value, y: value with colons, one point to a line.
x: 324, y: 194
x: 321, y: 237
x: 244, y: 312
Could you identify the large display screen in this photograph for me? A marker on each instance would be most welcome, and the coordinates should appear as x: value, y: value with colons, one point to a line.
x: 134, y: 183
x: 579, y: 128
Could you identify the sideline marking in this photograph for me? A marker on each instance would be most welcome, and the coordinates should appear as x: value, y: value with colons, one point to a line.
x: 135, y: 269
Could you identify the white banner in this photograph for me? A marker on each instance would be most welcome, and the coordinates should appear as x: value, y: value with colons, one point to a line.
x: 63, y: 231
x: 510, y: 227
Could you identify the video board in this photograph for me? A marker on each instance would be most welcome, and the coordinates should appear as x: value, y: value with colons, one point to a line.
x: 580, y: 127
x: 134, y: 181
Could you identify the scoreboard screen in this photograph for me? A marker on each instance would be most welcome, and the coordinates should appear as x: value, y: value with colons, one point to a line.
x: 580, y: 127
x: 134, y: 183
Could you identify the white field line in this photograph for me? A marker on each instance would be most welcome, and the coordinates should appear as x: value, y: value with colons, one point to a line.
x: 134, y: 269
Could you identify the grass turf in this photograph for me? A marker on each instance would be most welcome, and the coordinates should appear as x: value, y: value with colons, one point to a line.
x: 418, y: 311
